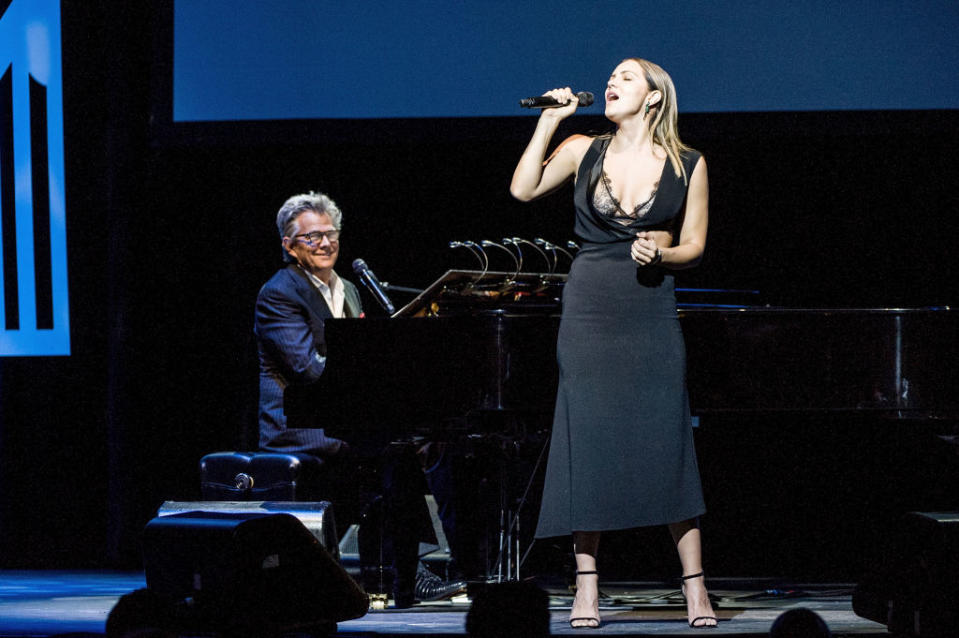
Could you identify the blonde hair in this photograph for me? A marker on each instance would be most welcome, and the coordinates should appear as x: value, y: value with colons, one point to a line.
x: 664, y: 114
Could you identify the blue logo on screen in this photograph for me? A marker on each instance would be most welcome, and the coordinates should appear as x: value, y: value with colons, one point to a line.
x: 34, y: 310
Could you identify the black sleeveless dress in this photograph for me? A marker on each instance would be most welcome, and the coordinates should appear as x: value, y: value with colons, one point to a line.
x: 621, y: 453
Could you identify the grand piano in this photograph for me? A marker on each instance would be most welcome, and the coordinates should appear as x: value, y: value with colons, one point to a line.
x: 485, y: 342
x: 817, y: 423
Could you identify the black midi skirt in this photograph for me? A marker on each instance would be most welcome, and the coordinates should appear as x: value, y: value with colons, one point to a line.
x: 621, y: 453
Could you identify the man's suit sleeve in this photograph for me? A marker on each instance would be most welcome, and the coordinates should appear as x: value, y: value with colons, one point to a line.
x: 283, y: 327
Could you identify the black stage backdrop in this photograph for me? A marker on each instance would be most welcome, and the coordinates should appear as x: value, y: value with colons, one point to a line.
x: 171, y: 234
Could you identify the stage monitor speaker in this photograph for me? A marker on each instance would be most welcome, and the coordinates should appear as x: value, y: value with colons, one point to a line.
x: 915, y: 592
x: 246, y: 573
x: 316, y: 516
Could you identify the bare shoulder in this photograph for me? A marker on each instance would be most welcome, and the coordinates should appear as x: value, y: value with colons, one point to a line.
x: 574, y: 147
x: 577, y: 143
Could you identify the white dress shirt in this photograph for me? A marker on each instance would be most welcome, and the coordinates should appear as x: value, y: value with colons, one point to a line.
x: 333, y: 294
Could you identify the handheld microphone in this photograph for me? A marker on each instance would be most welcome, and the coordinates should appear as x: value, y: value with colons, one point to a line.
x: 372, y: 284
x: 546, y: 102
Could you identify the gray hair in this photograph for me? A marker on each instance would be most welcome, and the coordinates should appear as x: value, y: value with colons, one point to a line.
x: 295, y: 206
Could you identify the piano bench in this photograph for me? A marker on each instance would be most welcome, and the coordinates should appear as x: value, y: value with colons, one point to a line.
x: 261, y: 476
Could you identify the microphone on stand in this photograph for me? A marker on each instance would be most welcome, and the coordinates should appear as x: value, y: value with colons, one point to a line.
x: 468, y: 245
x: 545, y: 102
x: 553, y: 247
x: 479, y: 249
x: 519, y: 252
x: 516, y: 262
x: 518, y: 240
x: 372, y: 284
x: 550, y: 247
x: 479, y: 254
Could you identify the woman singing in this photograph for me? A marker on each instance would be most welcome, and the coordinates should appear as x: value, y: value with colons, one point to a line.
x: 621, y: 454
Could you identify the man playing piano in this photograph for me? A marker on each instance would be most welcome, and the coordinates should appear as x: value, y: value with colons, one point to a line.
x: 290, y: 312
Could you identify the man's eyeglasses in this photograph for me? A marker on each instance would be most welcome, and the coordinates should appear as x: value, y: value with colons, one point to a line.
x: 316, y: 237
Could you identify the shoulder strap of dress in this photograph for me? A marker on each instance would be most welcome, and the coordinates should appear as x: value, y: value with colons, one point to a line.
x: 596, y: 148
x: 689, y: 159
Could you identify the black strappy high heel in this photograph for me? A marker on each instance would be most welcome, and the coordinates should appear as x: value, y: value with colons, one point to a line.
x: 692, y: 623
x: 595, y: 619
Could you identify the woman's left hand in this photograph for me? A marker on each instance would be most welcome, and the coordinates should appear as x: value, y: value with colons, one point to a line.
x: 644, y: 249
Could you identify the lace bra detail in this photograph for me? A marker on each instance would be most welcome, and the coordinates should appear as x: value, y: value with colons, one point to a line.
x: 606, y: 203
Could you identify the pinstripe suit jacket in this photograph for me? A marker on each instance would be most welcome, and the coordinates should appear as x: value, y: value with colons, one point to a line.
x: 288, y: 325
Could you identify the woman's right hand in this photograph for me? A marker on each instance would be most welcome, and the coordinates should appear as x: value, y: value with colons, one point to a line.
x: 566, y: 97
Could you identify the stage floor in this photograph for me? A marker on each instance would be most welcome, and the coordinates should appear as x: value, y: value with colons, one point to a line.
x: 46, y: 603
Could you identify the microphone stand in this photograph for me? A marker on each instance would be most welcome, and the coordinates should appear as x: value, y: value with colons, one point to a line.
x: 472, y: 245
x: 516, y: 262
x: 480, y: 256
x: 554, y: 248
x: 550, y: 247
x: 519, y: 253
x: 459, y: 244
x: 388, y: 286
x: 538, y: 249
x: 484, y: 258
